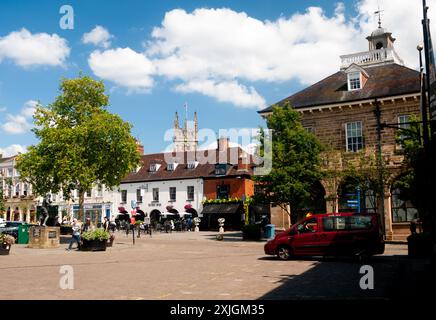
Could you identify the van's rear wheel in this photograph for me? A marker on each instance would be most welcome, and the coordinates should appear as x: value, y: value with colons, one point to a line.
x: 284, y: 253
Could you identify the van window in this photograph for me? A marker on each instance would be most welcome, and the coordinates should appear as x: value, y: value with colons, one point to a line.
x: 347, y: 223
x: 308, y: 226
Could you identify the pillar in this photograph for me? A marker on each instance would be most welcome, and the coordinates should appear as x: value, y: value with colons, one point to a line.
x: 388, y: 215
x: 28, y: 215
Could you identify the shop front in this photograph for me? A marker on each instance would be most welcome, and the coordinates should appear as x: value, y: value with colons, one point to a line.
x: 95, y: 212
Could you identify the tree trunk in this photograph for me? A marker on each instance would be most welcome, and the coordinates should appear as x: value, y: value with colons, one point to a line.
x: 81, y: 206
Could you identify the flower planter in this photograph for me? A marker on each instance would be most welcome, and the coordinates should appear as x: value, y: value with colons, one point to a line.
x: 5, y: 249
x: 93, y: 245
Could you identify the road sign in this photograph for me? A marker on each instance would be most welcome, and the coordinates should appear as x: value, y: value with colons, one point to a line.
x: 133, y: 204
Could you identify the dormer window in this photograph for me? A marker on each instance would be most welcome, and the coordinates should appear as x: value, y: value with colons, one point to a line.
x: 154, y: 167
x: 220, y: 169
x: 354, y: 82
x: 171, y: 166
x: 191, y: 165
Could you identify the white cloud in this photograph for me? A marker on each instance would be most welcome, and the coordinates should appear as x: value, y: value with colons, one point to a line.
x: 231, y: 91
x: 124, y: 67
x: 12, y: 150
x: 27, y: 49
x: 224, y: 44
x: 403, y: 19
x: 224, y: 54
x: 20, y: 123
x: 3, y: 109
x: 98, y: 36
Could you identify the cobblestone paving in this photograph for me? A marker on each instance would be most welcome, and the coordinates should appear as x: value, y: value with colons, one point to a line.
x: 190, y: 266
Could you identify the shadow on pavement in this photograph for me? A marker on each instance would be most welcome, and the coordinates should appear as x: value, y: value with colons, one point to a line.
x: 395, y: 277
x: 232, y: 236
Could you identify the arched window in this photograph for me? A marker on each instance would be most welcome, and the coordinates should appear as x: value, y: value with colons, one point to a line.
x: 379, y: 46
x: 17, y: 189
x: 355, y: 197
x: 402, y: 210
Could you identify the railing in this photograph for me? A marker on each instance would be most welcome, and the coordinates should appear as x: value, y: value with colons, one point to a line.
x: 371, y: 57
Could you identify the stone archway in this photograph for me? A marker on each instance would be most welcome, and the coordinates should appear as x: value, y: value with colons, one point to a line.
x: 316, y: 204
x: 356, y: 196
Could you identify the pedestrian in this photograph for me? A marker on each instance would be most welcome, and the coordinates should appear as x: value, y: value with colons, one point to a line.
x: 106, y: 224
x: 189, y: 224
x: 76, y: 234
x: 112, y: 223
x: 87, y: 226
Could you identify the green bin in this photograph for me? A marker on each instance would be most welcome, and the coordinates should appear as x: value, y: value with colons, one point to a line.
x: 23, y: 234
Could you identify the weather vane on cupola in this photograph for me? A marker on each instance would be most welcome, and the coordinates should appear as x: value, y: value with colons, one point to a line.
x: 379, y: 12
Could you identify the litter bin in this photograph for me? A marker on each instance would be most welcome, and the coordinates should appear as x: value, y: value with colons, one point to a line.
x: 270, y: 231
x: 23, y: 234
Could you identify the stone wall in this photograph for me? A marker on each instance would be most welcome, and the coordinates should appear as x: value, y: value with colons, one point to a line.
x: 328, y: 124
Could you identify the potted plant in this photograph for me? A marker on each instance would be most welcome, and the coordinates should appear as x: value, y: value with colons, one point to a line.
x: 94, y: 240
x: 6, y: 241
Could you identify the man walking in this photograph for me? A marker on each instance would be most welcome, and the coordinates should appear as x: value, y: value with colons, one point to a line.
x: 76, y: 234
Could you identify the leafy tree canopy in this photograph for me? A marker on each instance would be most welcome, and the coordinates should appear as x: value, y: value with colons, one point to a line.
x: 80, y: 142
x: 295, y: 161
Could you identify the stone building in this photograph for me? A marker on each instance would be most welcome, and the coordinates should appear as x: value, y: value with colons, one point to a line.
x: 341, y: 111
x: 19, y: 202
x: 186, y: 138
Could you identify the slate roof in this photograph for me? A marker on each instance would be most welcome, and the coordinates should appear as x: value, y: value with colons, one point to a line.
x: 384, y: 81
x: 182, y: 172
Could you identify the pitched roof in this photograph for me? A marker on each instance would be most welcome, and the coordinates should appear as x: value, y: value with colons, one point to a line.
x: 384, y: 81
x: 206, y: 170
x: 7, y: 159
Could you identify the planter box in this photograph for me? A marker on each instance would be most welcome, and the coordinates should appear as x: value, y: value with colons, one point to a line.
x: 5, y: 249
x: 93, y: 245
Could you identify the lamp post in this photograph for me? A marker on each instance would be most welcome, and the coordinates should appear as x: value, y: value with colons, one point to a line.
x: 380, y: 167
x: 423, y: 100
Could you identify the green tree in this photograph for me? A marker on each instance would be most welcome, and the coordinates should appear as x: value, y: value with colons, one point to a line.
x: 416, y: 183
x: 80, y: 143
x: 295, y: 162
x: 2, y: 202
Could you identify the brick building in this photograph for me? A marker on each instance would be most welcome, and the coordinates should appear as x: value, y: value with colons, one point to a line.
x: 229, y: 178
x: 340, y: 111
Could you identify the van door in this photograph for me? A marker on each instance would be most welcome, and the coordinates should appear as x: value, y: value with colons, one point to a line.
x: 335, y: 239
x: 306, y: 240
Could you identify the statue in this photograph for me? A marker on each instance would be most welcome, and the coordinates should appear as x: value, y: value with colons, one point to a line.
x: 221, y: 224
x: 197, y: 223
x: 45, y: 206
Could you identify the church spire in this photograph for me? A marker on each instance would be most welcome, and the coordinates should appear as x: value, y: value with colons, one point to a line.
x: 176, y: 121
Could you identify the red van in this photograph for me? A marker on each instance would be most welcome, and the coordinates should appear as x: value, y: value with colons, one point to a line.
x: 335, y: 234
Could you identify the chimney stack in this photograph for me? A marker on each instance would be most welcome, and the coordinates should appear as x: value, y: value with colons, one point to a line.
x: 139, y: 147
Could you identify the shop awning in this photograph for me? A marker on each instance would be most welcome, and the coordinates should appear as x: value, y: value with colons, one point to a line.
x: 221, y: 208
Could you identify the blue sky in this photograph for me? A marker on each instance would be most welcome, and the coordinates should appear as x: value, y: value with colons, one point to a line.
x: 226, y: 59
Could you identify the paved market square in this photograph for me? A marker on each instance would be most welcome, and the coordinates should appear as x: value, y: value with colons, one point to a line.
x: 194, y: 266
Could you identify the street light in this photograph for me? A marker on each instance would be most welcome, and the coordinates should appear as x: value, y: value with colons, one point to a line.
x: 423, y: 100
